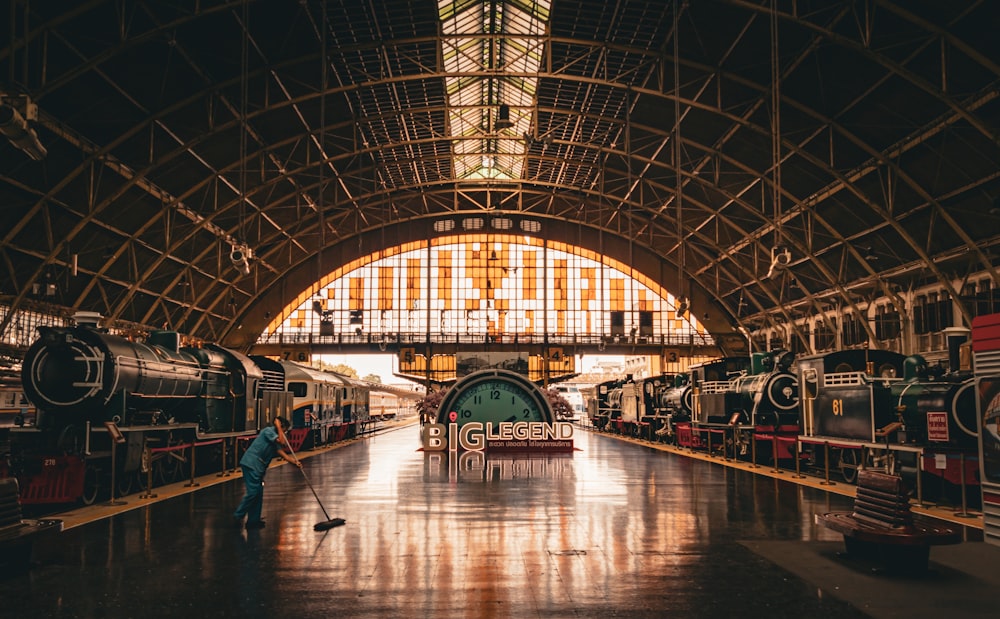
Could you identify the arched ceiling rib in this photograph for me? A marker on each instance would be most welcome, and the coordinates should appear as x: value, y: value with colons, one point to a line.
x: 888, y: 145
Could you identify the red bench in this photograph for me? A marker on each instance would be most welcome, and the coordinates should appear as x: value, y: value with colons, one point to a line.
x: 882, y: 527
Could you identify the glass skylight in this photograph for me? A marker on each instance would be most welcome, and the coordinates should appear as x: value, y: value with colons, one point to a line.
x: 492, y: 51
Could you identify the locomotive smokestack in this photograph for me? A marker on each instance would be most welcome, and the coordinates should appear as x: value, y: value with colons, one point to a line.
x: 87, y: 319
x: 956, y: 336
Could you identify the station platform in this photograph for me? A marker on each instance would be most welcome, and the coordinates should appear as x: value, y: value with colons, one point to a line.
x: 614, y: 529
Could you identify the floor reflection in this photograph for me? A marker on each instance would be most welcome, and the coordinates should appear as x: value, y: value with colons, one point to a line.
x: 612, y: 528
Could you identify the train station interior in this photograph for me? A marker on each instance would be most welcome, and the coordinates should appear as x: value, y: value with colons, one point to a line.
x: 782, y: 216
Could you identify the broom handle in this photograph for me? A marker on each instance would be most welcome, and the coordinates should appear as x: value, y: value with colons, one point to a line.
x: 284, y: 438
x: 304, y: 476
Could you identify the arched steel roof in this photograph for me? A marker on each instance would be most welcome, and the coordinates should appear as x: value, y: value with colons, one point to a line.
x: 860, y: 135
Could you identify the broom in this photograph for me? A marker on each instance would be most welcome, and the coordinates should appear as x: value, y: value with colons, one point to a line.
x: 329, y: 523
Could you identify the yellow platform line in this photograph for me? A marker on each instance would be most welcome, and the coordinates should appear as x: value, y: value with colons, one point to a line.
x: 89, y: 513
x: 941, y: 512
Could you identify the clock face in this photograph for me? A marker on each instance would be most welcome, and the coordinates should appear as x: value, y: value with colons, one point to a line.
x: 494, y: 396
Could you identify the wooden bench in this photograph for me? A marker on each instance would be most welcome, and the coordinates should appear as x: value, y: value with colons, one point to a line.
x: 882, y: 527
x: 17, y: 534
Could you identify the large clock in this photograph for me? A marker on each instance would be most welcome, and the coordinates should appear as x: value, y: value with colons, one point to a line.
x: 494, y: 396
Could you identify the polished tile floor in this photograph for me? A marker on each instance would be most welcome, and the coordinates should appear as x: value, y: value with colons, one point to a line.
x: 615, y: 529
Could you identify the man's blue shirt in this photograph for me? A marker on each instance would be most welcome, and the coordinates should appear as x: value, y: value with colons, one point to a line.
x: 262, y: 450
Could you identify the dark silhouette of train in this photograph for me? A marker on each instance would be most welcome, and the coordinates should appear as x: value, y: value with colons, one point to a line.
x: 866, y: 406
x: 111, y: 410
x: 832, y: 411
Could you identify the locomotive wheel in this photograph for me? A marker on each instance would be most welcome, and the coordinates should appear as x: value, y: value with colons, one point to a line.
x: 848, y: 464
x: 91, y: 485
x: 209, y: 459
x: 139, y: 480
x: 167, y: 468
x: 159, y: 473
x: 172, y: 466
x: 123, y: 482
x: 71, y: 440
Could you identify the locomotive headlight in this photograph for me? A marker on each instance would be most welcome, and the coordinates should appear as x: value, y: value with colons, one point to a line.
x: 52, y: 337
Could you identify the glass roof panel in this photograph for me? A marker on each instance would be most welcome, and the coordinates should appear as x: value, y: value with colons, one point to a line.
x: 480, y: 82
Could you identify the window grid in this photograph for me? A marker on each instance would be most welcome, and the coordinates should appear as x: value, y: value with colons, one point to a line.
x: 494, y: 285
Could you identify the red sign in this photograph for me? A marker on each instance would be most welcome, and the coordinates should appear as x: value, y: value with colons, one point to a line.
x: 937, y: 427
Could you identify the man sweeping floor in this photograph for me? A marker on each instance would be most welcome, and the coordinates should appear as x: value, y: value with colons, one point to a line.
x: 268, y: 445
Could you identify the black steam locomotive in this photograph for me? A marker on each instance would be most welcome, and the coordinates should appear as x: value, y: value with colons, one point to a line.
x: 880, y: 407
x: 759, y: 401
x: 605, y: 405
x: 103, y: 399
x: 110, y: 408
x: 640, y: 404
x: 632, y: 406
x: 673, y: 407
x: 838, y: 410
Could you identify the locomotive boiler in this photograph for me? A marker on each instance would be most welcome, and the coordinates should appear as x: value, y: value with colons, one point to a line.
x: 758, y: 403
x: 605, y: 405
x: 769, y: 392
x: 676, y: 399
x: 712, y: 399
x: 81, y: 374
x: 936, y: 407
x: 674, y: 407
x: 640, y: 400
